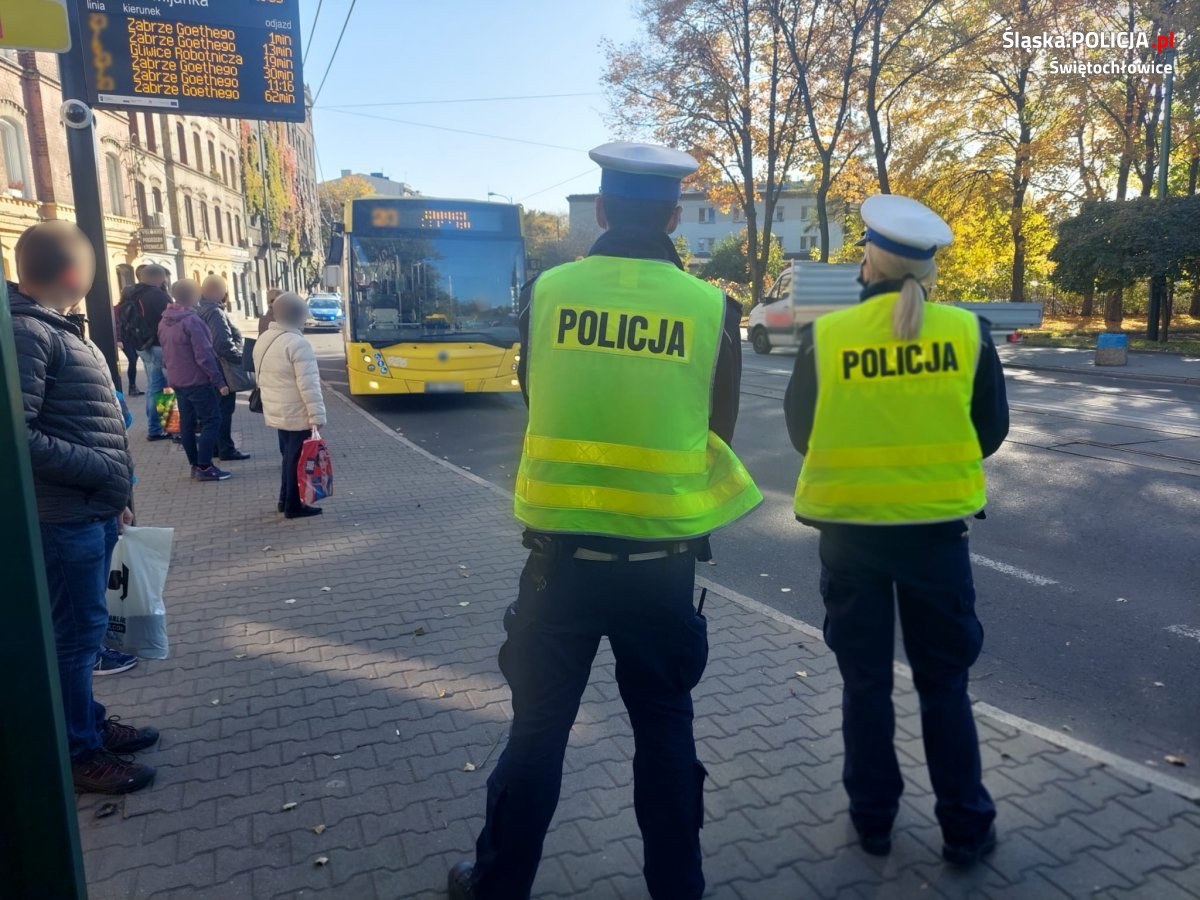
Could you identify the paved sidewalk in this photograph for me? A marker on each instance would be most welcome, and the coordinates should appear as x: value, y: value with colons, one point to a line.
x: 1165, y: 367
x: 347, y: 665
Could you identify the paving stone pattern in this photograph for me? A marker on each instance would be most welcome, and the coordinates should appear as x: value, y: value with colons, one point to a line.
x: 347, y: 665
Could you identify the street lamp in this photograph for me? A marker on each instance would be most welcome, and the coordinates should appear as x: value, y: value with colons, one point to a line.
x: 492, y: 194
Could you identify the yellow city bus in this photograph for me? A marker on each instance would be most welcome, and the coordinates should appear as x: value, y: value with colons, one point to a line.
x: 431, y: 289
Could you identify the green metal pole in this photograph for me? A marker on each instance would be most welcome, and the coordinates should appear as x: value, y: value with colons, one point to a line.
x: 40, y: 853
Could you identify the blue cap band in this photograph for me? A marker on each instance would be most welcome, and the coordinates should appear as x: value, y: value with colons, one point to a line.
x: 639, y: 187
x: 905, y: 250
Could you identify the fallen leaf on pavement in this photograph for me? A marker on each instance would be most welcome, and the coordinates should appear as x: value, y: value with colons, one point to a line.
x: 240, y: 656
x: 320, y: 829
x: 216, y: 701
x: 441, y: 695
x: 418, y: 631
x: 1122, y: 600
x: 802, y: 674
x: 465, y: 603
x: 785, y: 590
x: 1159, y: 684
x: 326, y: 590
x: 292, y: 600
x: 321, y: 860
x: 268, y: 547
x: 469, y: 767
x: 290, y: 805
x: 106, y: 810
x: 1066, y: 728
x: 1175, y: 760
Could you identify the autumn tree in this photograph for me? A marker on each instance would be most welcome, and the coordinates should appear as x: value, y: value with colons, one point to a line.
x: 332, y: 196
x: 710, y: 76
x: 546, y: 238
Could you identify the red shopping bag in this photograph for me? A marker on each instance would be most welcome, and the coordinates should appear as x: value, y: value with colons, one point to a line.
x: 315, y: 470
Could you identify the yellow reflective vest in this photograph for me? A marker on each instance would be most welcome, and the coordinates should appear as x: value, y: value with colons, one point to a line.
x: 623, y: 356
x: 892, y: 440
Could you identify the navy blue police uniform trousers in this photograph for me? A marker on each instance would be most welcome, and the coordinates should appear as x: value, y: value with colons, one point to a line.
x: 866, y: 572
x: 563, y: 608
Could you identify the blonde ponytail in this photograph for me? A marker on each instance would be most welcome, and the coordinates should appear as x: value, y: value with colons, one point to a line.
x: 919, y: 277
x: 909, y: 311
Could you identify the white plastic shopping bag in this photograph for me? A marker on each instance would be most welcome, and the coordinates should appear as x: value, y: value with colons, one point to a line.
x: 137, y: 617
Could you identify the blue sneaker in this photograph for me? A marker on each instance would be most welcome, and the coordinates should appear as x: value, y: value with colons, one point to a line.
x: 212, y: 473
x: 111, y: 662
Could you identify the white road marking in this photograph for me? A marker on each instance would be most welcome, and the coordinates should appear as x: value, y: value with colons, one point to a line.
x: 1186, y: 631
x: 1006, y: 569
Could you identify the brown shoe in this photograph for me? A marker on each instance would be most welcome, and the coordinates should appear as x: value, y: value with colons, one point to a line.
x: 118, y: 738
x: 106, y: 773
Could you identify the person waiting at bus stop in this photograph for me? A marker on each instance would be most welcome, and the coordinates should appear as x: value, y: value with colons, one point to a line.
x: 894, y: 404
x: 631, y: 369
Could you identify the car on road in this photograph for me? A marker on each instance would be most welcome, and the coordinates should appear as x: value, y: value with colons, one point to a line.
x: 325, y: 312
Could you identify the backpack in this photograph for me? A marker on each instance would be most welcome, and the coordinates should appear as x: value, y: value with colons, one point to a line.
x: 135, y: 329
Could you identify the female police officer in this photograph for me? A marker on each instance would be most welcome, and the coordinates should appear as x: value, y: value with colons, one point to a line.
x: 894, y: 404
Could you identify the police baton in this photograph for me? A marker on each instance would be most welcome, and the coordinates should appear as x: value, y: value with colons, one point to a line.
x: 700, y: 608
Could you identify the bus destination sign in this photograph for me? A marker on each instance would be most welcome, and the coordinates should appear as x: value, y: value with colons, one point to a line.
x: 235, y: 58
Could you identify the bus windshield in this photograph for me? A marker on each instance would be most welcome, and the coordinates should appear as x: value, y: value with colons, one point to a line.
x: 427, y: 287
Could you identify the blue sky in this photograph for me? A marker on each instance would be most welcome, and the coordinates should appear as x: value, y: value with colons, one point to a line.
x: 417, y: 50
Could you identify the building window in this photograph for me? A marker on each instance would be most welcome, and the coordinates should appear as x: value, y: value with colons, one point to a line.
x: 204, y: 218
x: 224, y: 169
x: 220, y: 227
x: 739, y: 214
x: 12, y: 145
x: 708, y: 215
x: 10, y: 56
x: 156, y: 197
x: 181, y: 140
x: 151, y: 136
x: 704, y: 246
x: 134, y: 137
x: 779, y: 214
x: 139, y: 193
x: 212, y: 159
x: 233, y: 173
x: 112, y: 170
x: 199, y: 152
x: 229, y: 225
x: 237, y: 221
x: 189, y: 215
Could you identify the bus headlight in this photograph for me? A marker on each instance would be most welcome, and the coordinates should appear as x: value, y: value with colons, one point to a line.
x: 368, y: 359
x: 514, y: 367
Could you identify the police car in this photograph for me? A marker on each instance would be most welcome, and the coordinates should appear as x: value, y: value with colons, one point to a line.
x: 325, y: 312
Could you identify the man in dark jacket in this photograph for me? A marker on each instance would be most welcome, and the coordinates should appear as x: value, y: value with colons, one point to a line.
x: 229, y: 346
x: 147, y: 302
x: 195, y: 376
x: 82, y: 475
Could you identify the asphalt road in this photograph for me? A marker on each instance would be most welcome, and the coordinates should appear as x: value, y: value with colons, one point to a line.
x: 1087, y: 567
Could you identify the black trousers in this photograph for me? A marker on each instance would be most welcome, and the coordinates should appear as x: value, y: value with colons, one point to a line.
x: 563, y: 608
x: 290, y: 445
x: 131, y: 356
x: 865, y: 574
x: 225, y: 445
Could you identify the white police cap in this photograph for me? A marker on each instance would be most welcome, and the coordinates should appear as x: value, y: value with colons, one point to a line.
x: 903, y: 226
x: 642, y: 171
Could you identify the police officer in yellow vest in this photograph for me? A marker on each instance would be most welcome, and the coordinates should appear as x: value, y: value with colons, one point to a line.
x: 631, y: 370
x: 894, y: 404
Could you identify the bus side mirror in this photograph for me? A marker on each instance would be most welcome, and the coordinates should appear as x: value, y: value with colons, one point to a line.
x: 337, y: 242
x: 331, y: 278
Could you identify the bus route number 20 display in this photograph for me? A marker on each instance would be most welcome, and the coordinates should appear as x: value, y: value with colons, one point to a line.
x: 235, y: 58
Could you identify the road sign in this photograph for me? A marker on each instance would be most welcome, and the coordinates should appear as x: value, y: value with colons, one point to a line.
x: 34, y: 25
x: 236, y: 58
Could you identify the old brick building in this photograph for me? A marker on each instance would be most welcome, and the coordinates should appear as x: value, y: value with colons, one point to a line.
x: 172, y: 187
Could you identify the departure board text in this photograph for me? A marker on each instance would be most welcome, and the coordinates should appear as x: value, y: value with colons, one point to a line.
x: 237, y: 58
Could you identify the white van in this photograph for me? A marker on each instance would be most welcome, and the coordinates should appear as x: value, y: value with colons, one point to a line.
x: 806, y: 290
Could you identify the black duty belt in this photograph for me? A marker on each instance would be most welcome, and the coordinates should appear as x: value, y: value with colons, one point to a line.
x: 662, y: 553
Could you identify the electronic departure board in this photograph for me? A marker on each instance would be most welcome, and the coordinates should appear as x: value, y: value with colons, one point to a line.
x: 236, y: 58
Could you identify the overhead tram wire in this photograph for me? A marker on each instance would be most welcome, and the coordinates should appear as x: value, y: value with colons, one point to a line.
x: 589, y: 171
x: 336, y: 47
x: 482, y: 134
x: 312, y: 32
x: 460, y: 100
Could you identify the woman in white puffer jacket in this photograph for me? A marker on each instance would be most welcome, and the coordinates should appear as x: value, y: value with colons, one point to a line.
x: 289, y: 383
